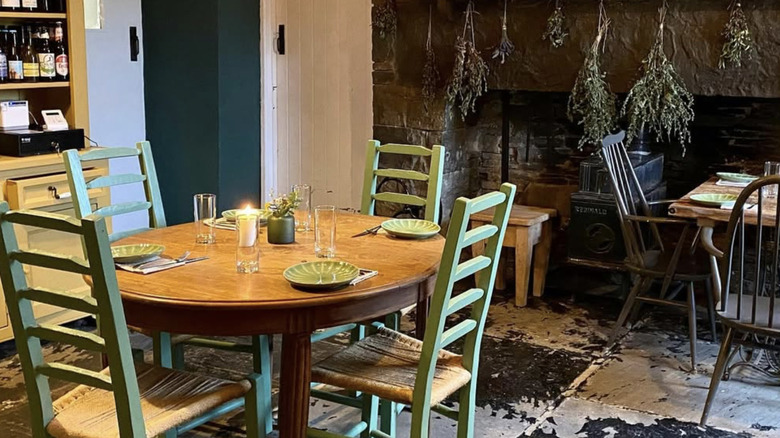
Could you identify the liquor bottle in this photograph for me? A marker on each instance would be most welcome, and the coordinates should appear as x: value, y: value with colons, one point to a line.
x: 15, y: 64
x: 46, y: 59
x: 3, y: 59
x: 32, y: 70
x: 61, y: 63
x: 35, y: 37
x: 29, y: 5
x: 11, y: 5
x: 44, y: 6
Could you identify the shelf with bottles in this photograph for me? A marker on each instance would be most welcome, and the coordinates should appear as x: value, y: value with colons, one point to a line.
x: 19, y: 17
x: 33, y: 85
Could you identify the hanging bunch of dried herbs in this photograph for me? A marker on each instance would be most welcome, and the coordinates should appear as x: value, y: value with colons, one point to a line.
x: 469, y: 75
x: 738, y: 44
x: 592, y: 103
x: 430, y: 79
x: 505, y: 47
x: 556, y: 27
x: 659, y: 100
x: 386, y: 19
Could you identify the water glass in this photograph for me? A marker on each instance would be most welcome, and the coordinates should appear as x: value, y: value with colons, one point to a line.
x: 771, y: 168
x: 325, y: 231
x: 247, y: 250
x: 205, y: 210
x: 303, y: 212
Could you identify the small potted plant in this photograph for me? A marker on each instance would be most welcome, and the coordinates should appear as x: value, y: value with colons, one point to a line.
x: 281, y: 224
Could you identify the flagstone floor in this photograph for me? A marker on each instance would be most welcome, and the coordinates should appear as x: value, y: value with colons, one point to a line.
x: 542, y: 374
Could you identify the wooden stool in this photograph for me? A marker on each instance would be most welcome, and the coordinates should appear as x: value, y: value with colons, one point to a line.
x: 529, y: 228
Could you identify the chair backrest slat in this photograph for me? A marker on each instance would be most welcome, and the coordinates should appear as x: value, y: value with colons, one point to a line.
x: 749, y: 268
x: 451, y: 270
x: 105, y: 304
x: 79, y: 187
x: 432, y: 200
x: 77, y: 338
x: 115, y: 180
x: 478, y: 234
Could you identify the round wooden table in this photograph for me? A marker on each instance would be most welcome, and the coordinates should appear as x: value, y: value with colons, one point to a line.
x: 209, y: 298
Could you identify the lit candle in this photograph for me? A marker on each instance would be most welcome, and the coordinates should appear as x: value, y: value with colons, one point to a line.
x: 246, y: 223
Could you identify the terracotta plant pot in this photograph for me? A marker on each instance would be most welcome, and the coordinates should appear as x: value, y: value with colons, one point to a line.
x: 281, y: 230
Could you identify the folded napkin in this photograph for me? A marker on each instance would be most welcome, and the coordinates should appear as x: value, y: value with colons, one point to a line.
x: 724, y: 183
x: 731, y: 206
x: 365, y: 274
x: 151, y: 267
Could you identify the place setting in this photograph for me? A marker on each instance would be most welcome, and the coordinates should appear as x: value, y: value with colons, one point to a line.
x: 146, y: 258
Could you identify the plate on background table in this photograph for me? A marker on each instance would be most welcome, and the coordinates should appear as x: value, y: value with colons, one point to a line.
x: 138, y: 253
x: 411, y: 228
x: 736, y: 177
x: 321, y: 275
x: 714, y: 199
x: 262, y: 215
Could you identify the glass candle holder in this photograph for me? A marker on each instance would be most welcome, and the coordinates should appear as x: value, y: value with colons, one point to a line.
x: 205, y: 209
x: 325, y: 231
x: 247, y: 250
x: 303, y: 212
x: 771, y: 168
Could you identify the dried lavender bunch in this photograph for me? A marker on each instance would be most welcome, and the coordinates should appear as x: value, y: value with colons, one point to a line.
x: 592, y: 103
x: 659, y: 100
x: 469, y: 75
x: 556, y: 27
x: 505, y: 47
x: 430, y: 80
x: 738, y: 44
x: 386, y: 19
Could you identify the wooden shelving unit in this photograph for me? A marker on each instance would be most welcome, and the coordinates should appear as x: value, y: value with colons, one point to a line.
x: 34, y: 15
x: 37, y: 173
x: 33, y: 85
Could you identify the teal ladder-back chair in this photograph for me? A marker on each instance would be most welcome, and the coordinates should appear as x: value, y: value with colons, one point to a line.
x: 422, y: 374
x: 431, y: 202
x: 168, y: 350
x: 127, y: 399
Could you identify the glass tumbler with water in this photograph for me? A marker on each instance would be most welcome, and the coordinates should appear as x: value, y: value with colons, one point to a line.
x: 325, y: 231
x: 771, y: 168
x: 205, y: 209
x: 303, y: 212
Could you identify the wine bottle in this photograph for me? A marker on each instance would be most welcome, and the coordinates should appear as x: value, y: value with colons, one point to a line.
x: 46, y: 59
x: 15, y: 63
x: 32, y: 70
x: 61, y: 63
x: 3, y: 57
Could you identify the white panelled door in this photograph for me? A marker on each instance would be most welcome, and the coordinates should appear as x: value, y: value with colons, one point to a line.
x: 317, y: 110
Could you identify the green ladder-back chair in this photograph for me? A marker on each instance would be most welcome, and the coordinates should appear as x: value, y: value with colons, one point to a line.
x: 168, y: 350
x: 432, y: 200
x: 126, y: 400
x: 422, y: 374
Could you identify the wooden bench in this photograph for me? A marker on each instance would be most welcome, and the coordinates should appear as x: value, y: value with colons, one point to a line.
x: 530, y: 233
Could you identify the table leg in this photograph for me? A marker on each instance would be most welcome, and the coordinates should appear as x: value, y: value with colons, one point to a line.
x: 715, y: 253
x: 294, y: 385
x: 542, y: 258
x: 524, y: 251
x: 421, y: 318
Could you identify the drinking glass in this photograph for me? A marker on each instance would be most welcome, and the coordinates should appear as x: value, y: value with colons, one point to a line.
x: 325, y: 231
x: 205, y: 210
x: 771, y: 168
x: 247, y: 250
x: 303, y: 212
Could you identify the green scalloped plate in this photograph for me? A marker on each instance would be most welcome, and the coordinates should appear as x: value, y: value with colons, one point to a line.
x: 321, y: 275
x: 714, y: 199
x: 411, y: 228
x: 736, y: 177
x: 138, y: 253
x: 262, y: 215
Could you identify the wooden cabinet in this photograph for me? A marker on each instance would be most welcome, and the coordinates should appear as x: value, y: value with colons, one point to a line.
x: 25, y: 182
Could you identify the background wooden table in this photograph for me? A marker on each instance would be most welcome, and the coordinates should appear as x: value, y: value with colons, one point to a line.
x: 209, y: 298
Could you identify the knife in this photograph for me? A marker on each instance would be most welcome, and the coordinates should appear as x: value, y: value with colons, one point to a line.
x: 369, y: 231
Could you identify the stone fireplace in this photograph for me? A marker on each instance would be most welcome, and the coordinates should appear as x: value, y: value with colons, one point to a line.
x: 737, y: 123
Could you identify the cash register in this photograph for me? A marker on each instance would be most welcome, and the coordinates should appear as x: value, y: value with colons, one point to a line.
x: 19, y: 138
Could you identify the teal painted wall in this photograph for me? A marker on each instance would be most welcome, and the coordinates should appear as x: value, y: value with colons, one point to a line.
x: 202, y: 86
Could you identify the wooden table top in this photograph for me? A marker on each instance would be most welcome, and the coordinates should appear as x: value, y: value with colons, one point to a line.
x: 211, y: 298
x: 522, y: 215
x: 687, y: 209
